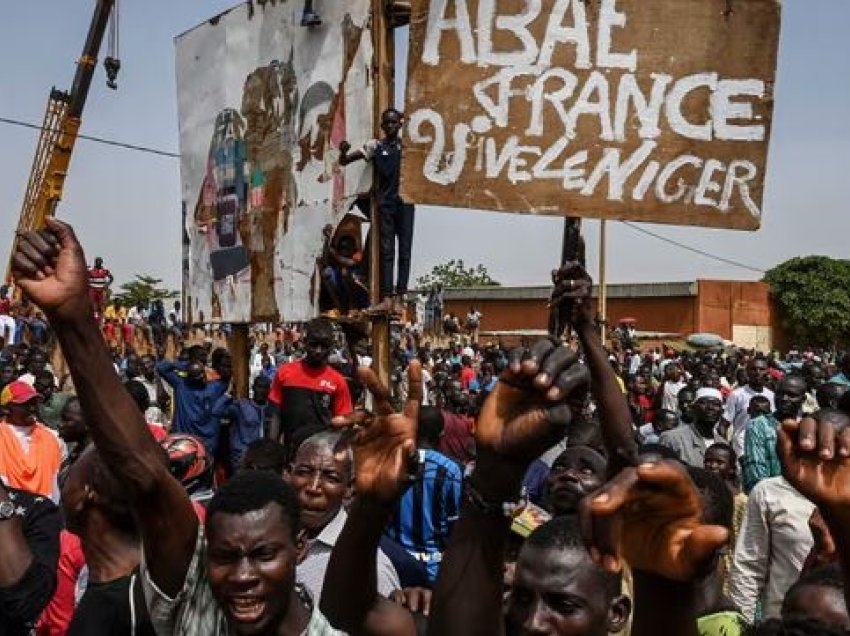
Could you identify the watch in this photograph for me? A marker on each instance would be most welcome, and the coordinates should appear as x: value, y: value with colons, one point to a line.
x: 7, y: 510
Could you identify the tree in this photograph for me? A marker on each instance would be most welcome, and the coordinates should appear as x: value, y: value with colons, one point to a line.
x: 456, y: 274
x: 143, y: 291
x: 812, y: 294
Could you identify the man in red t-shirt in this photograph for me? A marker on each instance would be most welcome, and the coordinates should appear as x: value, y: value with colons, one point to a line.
x: 100, y: 279
x: 307, y: 393
x: 467, y: 373
x: 7, y: 323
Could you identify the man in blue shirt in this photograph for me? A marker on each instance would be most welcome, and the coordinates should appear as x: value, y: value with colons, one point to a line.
x: 194, y: 399
x: 246, y: 418
x: 423, y: 519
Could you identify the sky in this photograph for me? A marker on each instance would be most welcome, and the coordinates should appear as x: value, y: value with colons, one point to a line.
x: 125, y: 205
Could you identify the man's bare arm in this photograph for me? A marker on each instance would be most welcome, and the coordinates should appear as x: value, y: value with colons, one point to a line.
x: 49, y: 265
x: 572, y: 291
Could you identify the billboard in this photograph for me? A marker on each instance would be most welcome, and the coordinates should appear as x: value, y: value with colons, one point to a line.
x: 263, y: 104
x: 648, y: 110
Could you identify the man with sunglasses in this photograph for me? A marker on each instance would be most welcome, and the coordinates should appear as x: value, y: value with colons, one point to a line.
x: 307, y: 393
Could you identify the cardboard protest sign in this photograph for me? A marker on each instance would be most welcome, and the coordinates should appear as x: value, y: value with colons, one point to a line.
x: 649, y: 110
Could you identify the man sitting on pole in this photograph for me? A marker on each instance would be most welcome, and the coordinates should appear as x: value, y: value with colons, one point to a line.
x: 396, y: 216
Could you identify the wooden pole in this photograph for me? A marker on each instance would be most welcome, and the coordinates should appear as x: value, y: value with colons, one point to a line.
x: 603, y: 282
x: 383, y: 75
x: 240, y: 354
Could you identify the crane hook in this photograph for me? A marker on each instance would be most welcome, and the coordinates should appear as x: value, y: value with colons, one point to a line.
x: 112, y: 63
x: 112, y: 66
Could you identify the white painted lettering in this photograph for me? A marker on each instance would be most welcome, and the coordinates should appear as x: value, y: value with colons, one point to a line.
x: 741, y: 181
x: 618, y: 173
x: 517, y: 172
x: 667, y: 173
x: 574, y: 171
x: 678, y: 94
x: 724, y: 109
x: 557, y: 33
x: 538, y: 94
x: 594, y: 99
x: 640, y: 190
x: 438, y: 22
x: 609, y: 18
x: 706, y: 185
x: 440, y: 167
x: 648, y: 112
x: 516, y: 24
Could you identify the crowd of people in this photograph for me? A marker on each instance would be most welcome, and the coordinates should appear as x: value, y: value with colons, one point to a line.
x: 562, y: 488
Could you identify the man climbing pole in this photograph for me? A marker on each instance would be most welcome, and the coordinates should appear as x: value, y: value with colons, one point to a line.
x: 396, y: 216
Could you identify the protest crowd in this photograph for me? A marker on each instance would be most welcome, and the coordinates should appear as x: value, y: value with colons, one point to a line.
x: 561, y: 488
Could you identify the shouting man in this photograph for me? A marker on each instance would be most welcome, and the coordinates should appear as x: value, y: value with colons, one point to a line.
x: 237, y: 576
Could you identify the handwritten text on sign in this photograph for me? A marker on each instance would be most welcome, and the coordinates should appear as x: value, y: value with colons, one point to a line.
x: 655, y: 110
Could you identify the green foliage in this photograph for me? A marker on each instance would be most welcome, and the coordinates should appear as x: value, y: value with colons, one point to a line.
x: 143, y: 291
x: 456, y: 274
x: 813, y: 297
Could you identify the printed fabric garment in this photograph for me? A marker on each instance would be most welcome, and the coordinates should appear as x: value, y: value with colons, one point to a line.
x: 308, y: 398
x: 22, y: 603
x: 423, y: 519
x: 760, y: 460
x: 194, y: 611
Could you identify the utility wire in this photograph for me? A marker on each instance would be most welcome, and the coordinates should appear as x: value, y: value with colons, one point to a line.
x: 174, y: 155
x: 689, y: 248
x: 99, y: 140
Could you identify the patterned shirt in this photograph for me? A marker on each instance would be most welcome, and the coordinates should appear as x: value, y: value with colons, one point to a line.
x: 760, y: 460
x: 194, y: 611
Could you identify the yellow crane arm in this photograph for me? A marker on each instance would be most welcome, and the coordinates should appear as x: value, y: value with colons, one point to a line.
x: 62, y: 122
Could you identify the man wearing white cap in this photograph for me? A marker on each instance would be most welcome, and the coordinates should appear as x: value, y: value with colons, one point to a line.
x: 691, y: 439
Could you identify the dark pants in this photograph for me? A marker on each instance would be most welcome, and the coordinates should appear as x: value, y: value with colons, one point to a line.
x: 396, y: 222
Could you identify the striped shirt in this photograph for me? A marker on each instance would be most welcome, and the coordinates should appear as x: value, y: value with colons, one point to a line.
x: 424, y: 517
x: 760, y: 460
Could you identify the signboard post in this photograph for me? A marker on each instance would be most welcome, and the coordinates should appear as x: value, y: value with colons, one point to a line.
x: 382, y: 38
x: 647, y: 110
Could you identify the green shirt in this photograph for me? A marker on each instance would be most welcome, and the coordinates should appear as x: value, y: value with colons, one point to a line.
x: 50, y: 411
x: 722, y: 624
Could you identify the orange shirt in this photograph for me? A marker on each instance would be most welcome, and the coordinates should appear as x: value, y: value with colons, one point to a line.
x: 35, y: 469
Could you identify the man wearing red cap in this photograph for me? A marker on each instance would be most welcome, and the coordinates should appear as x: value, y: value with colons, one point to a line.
x: 30, y: 453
